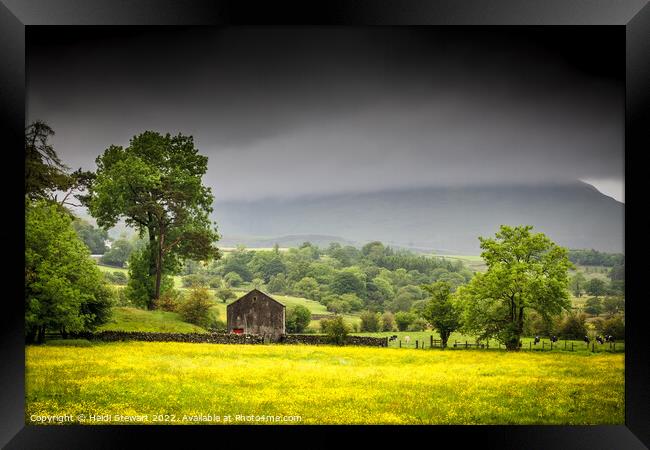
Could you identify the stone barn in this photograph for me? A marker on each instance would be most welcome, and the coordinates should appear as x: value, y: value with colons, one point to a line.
x: 257, y: 313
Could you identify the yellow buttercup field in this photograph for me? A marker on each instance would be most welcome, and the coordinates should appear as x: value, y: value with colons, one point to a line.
x: 176, y: 383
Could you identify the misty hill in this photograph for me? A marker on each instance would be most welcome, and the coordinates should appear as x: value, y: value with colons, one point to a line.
x: 283, y: 241
x: 442, y: 219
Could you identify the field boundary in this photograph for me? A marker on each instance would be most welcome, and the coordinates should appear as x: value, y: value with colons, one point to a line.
x: 225, y: 338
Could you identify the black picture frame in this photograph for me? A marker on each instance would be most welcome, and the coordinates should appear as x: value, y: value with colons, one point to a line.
x: 634, y: 16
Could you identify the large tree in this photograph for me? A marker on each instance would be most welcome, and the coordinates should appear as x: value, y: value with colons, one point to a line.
x: 64, y: 290
x: 526, y: 272
x: 440, y: 311
x: 155, y: 184
x: 45, y: 173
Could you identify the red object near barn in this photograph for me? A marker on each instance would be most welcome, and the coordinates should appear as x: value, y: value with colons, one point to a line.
x: 238, y: 330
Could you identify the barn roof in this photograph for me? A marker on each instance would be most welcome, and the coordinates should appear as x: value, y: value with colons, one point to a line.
x: 259, y: 292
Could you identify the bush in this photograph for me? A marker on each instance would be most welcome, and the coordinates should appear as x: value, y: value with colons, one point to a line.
x: 195, y: 280
x: 370, y: 321
x: 225, y: 294
x: 404, y: 319
x: 298, y: 318
x: 233, y: 279
x: 573, y: 326
x: 613, y: 326
x: 196, y: 308
x: 336, y: 330
x: 419, y: 324
x: 215, y: 324
x: 387, y: 321
x: 168, y: 301
x: 593, y: 306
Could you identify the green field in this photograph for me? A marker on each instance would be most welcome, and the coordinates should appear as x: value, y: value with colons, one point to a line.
x: 321, y: 385
x: 134, y: 319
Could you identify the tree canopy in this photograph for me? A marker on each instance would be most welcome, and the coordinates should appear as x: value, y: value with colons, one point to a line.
x: 155, y: 184
x: 526, y: 272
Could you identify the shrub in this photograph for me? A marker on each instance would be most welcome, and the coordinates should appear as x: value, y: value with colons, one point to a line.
x: 233, y: 279
x: 404, y: 319
x: 215, y: 324
x: 370, y: 321
x: 196, y: 308
x: 215, y: 282
x: 613, y: 326
x: 593, y: 306
x: 225, y: 294
x: 195, y: 280
x: 387, y: 321
x: 168, y: 301
x: 573, y: 326
x: 298, y: 317
x: 419, y: 324
x: 336, y: 329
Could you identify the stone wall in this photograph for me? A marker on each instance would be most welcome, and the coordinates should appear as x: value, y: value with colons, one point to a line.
x: 222, y: 338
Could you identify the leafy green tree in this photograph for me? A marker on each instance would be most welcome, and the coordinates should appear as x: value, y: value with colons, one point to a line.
x: 613, y: 326
x: 370, y: 321
x: 525, y: 272
x: 298, y: 318
x: 308, y: 288
x: 277, y: 284
x: 348, y: 281
x: 225, y: 294
x: 64, y: 289
x: 336, y: 329
x: 419, y: 324
x: 45, y: 173
x: 196, y: 307
x: 94, y: 238
x: 140, y: 287
x: 574, y: 326
x: 155, y: 185
x: 387, y: 321
x: 614, y: 304
x: 257, y: 283
x: 617, y: 272
x: 593, y: 306
x: 118, y: 254
x: 577, y: 283
x: 404, y: 319
x: 440, y: 311
x: 596, y: 287
x: 233, y: 279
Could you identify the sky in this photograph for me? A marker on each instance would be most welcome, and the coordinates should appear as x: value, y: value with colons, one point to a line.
x: 284, y: 112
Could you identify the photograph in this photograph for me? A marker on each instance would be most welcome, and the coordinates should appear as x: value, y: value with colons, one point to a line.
x: 324, y: 225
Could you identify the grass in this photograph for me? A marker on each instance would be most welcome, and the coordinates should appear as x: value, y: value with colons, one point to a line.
x: 134, y: 319
x: 322, y: 385
x: 544, y: 344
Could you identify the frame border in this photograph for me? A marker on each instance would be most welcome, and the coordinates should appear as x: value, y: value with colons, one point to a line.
x: 633, y: 15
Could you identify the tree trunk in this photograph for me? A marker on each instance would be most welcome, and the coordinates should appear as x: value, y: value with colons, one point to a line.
x: 41, y: 334
x: 152, y: 261
x: 444, y: 337
x: 159, y: 258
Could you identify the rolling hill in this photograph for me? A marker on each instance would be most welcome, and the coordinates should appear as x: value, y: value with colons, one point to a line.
x: 444, y: 220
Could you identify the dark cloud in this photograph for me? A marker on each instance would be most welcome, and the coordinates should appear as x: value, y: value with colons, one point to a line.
x: 289, y: 111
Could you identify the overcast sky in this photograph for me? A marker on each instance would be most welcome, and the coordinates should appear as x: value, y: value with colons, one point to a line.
x: 294, y: 111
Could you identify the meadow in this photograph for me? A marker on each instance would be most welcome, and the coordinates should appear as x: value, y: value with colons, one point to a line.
x: 182, y: 383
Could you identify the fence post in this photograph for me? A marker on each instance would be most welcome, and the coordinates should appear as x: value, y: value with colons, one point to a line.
x: 431, y: 341
x: 551, y: 345
x: 565, y: 345
x: 530, y: 345
x: 400, y: 343
x: 416, y: 343
x: 465, y: 344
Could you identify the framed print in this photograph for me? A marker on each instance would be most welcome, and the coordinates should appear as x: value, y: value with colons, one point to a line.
x: 354, y: 218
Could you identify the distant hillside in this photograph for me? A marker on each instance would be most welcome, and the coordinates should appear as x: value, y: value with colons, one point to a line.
x: 448, y: 220
x: 282, y: 241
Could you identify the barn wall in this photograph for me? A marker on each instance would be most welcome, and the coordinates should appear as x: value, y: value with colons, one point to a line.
x: 256, y: 313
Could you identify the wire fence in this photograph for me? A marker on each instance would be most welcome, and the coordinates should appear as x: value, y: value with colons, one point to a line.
x: 541, y: 346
